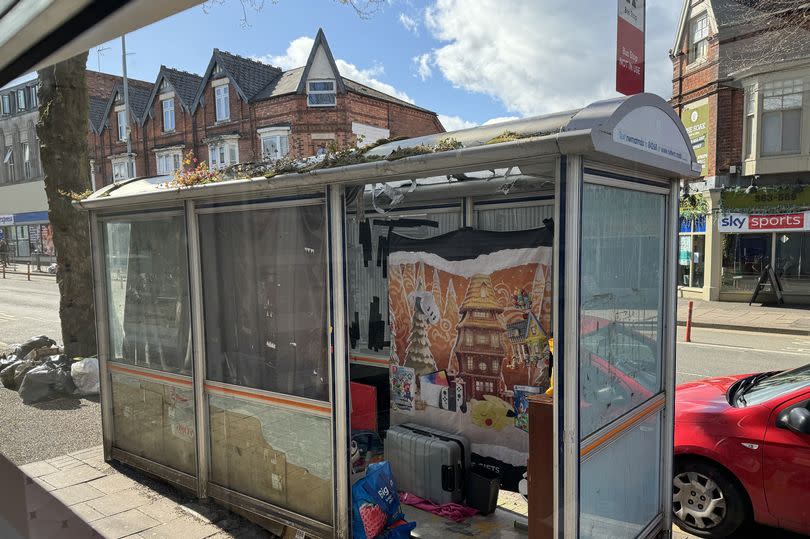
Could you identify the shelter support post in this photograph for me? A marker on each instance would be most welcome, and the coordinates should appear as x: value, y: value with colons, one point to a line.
x: 102, y: 335
x: 198, y: 351
x: 568, y: 197
x: 340, y: 359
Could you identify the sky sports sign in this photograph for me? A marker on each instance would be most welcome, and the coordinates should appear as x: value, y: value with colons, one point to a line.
x: 783, y: 222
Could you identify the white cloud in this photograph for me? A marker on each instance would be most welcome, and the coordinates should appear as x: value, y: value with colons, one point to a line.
x: 546, y: 55
x: 409, y: 23
x: 297, y: 54
x: 423, y: 68
x: 454, y: 123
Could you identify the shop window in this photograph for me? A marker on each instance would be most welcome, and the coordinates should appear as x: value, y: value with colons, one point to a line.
x: 782, y: 117
x: 270, y: 332
x: 692, y: 252
x: 744, y: 258
x: 321, y: 93
x: 698, y: 37
x: 222, y: 103
x: 793, y: 261
x: 168, y: 115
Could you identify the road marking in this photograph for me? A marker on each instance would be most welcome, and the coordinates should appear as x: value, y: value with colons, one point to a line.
x: 744, y: 348
x: 692, y: 374
x: 41, y: 319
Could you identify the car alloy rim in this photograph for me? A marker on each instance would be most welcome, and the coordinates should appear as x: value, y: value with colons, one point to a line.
x: 698, y: 501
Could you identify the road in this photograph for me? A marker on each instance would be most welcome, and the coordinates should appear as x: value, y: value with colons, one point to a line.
x: 28, y: 308
x: 716, y: 353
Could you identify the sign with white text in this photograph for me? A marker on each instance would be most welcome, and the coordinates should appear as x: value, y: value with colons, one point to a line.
x: 6, y: 220
x: 695, y: 118
x: 630, y: 47
x: 783, y: 222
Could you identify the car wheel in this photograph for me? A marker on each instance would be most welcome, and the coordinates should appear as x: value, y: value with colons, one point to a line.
x: 706, y: 501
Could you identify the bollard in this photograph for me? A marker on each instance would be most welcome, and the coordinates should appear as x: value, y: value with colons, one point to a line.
x: 689, y: 322
x: 29, y: 270
x: 4, y: 270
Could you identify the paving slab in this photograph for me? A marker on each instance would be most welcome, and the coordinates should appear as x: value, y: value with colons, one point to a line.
x: 111, y: 484
x: 85, y: 512
x: 38, y: 469
x: 77, y: 494
x: 124, y: 524
x: 72, y: 476
x: 120, y: 502
x: 187, y: 528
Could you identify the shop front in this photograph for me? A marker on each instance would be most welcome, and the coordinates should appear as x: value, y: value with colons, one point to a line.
x: 262, y: 342
x: 27, y: 237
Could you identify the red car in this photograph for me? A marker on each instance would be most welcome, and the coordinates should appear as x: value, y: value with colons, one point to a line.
x: 742, y: 453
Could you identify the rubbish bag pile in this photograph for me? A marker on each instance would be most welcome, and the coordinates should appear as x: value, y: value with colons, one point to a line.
x: 40, y: 372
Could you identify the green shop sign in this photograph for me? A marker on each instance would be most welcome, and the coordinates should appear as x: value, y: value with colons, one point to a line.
x: 695, y: 118
x: 777, y: 199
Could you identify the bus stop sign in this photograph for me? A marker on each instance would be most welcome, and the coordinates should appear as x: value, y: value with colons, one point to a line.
x: 630, y: 47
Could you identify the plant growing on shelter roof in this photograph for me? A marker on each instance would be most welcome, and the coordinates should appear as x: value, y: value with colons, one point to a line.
x: 194, y: 172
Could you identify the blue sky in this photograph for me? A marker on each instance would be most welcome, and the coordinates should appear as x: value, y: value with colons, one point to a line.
x: 469, y: 60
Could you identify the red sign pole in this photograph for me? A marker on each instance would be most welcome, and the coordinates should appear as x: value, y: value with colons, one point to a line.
x: 630, y: 46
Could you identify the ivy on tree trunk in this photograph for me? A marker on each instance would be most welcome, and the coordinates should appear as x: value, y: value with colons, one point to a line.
x: 62, y: 132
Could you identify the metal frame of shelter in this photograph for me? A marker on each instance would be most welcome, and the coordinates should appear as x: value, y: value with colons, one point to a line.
x: 635, y: 144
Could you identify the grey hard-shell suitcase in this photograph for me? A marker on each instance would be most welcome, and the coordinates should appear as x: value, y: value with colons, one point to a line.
x: 425, y: 464
x: 460, y: 439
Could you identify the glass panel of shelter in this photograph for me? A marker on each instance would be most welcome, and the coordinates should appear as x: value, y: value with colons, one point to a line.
x: 448, y: 325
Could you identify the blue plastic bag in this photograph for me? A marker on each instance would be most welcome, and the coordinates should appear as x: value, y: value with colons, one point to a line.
x: 375, y: 506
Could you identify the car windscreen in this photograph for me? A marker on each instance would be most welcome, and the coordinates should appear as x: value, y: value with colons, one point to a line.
x: 778, y: 384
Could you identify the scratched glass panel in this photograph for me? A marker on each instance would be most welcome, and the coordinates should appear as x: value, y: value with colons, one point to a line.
x: 615, y: 499
x: 622, y: 280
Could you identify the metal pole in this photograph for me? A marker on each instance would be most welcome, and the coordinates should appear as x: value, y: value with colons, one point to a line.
x: 130, y: 172
x: 689, y: 322
x: 29, y: 270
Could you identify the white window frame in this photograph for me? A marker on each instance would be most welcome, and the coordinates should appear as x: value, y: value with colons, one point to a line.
x: 122, y: 163
x: 168, y: 161
x: 26, y: 152
x: 311, y: 92
x: 167, y: 105
x: 8, y: 161
x: 222, y: 103
x: 6, y: 104
x: 121, y: 116
x: 34, y: 96
x: 698, y: 37
x: 279, y: 137
x: 750, y: 143
x: 21, y: 99
x: 783, y: 96
x: 223, y: 154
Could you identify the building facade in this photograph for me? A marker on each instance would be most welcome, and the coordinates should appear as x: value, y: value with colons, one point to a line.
x: 23, y: 206
x: 740, y: 70
x: 244, y: 111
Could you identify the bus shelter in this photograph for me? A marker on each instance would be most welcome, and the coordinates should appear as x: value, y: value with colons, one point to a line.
x: 257, y: 336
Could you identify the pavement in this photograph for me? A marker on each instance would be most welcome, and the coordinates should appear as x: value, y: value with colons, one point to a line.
x: 117, y: 501
x: 787, y: 320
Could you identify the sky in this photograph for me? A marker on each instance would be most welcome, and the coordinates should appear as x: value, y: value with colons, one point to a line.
x: 471, y: 61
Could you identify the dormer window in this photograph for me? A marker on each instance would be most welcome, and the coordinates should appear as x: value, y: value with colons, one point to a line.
x: 122, y: 125
x: 698, y: 37
x: 21, y: 99
x: 168, y: 115
x: 6, y: 104
x: 222, y: 102
x: 321, y: 93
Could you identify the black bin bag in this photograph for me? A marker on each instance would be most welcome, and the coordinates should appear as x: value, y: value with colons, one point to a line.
x: 48, y: 381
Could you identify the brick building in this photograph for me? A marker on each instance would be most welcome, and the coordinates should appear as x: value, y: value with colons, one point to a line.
x: 241, y: 110
x: 739, y: 73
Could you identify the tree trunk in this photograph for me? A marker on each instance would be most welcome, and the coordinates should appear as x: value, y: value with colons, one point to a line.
x: 62, y: 132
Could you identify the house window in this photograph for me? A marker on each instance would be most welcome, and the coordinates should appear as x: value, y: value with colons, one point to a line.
x: 496, y: 340
x: 122, y: 125
x: 8, y: 160
x: 750, y: 111
x: 698, y: 37
x: 469, y: 364
x: 782, y: 117
x: 321, y: 93
x: 482, y: 366
x: 468, y: 338
x: 34, y: 97
x: 495, y: 365
x: 168, y: 115
x: 480, y: 314
x: 168, y: 162
x: 6, y: 104
x: 26, y: 151
x: 274, y: 145
x: 222, y: 100
x: 481, y: 339
x: 120, y: 171
x: 21, y: 99
x: 223, y: 154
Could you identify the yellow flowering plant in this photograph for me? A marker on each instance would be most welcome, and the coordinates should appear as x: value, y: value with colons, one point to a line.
x: 194, y: 172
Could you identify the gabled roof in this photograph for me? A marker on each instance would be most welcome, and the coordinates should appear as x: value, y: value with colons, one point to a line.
x: 97, y: 110
x: 139, y: 92
x: 249, y: 77
x: 184, y: 84
x: 320, y: 41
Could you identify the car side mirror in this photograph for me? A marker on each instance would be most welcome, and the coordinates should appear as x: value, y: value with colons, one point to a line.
x: 797, y: 420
